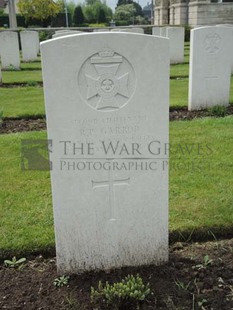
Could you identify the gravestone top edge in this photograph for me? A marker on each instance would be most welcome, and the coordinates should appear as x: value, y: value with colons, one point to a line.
x: 53, y: 40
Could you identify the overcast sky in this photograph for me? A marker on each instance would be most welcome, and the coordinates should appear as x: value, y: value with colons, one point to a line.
x: 113, y: 3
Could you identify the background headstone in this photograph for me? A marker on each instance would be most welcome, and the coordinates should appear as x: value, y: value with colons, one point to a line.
x: 110, y: 205
x: 163, y: 31
x: 231, y: 40
x: 9, y: 50
x: 156, y: 31
x: 29, y: 45
x: 210, y: 70
x: 176, y: 38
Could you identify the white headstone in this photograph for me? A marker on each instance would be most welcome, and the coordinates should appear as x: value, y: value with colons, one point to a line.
x: 176, y: 38
x: 156, y: 31
x: 109, y: 130
x: 37, y: 39
x: 65, y: 33
x: 9, y: 50
x: 29, y: 45
x: 163, y: 32
x: 209, y: 72
x: 231, y: 40
x: 0, y: 74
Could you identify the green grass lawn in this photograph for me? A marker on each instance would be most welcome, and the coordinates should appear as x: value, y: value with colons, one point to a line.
x: 31, y: 65
x: 25, y: 199
x: 10, y: 77
x: 201, y: 184
x: 179, y: 70
x: 22, y: 101
x: 179, y: 92
x: 200, y: 196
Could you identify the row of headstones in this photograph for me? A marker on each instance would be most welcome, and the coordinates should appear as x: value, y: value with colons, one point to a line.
x: 10, y: 51
x: 210, y: 57
x: 210, y: 65
x: 175, y: 35
x: 10, y: 55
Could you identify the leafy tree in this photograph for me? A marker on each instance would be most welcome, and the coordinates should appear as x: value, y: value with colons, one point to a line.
x: 39, y: 9
x: 122, y: 2
x: 78, y: 16
x: 93, y: 14
x: 136, y: 5
x: 102, y: 16
x: 71, y: 7
x: 138, y: 9
x: 125, y: 12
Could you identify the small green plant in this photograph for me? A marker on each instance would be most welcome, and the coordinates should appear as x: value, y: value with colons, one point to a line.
x: 218, y: 111
x: 11, y: 68
x: 14, y: 263
x: 61, y: 281
x: 130, y: 290
x: 206, y: 262
x: 201, y: 303
x: 32, y: 83
x: 182, y: 285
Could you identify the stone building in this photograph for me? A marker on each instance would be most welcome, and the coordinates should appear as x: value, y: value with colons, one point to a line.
x: 193, y: 12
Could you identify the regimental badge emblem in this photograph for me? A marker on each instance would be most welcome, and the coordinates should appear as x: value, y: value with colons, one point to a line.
x: 106, y: 81
x: 212, y: 43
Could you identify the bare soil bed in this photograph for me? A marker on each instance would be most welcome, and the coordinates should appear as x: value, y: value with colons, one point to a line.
x: 11, y: 125
x: 185, y: 282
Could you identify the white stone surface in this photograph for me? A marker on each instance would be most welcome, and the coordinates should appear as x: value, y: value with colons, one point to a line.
x: 176, y: 38
x: 209, y: 75
x: 29, y: 45
x: 0, y: 72
x: 136, y: 30
x: 231, y: 41
x: 163, y: 32
x: 63, y: 33
x: 107, y: 218
x: 156, y: 31
x: 9, y: 50
x: 132, y: 30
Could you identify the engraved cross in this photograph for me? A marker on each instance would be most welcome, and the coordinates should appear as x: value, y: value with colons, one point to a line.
x: 111, y: 183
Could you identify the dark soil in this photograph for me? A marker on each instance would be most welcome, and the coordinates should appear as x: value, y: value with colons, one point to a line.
x: 185, y: 282
x: 24, y: 124
x: 10, y: 125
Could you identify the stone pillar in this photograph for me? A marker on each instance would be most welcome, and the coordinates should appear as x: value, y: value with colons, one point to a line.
x: 161, y: 12
x: 178, y: 12
x: 12, y: 14
x: 197, y: 13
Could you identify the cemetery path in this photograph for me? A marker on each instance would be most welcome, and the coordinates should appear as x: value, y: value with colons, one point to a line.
x: 11, y: 125
x: 197, y: 276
